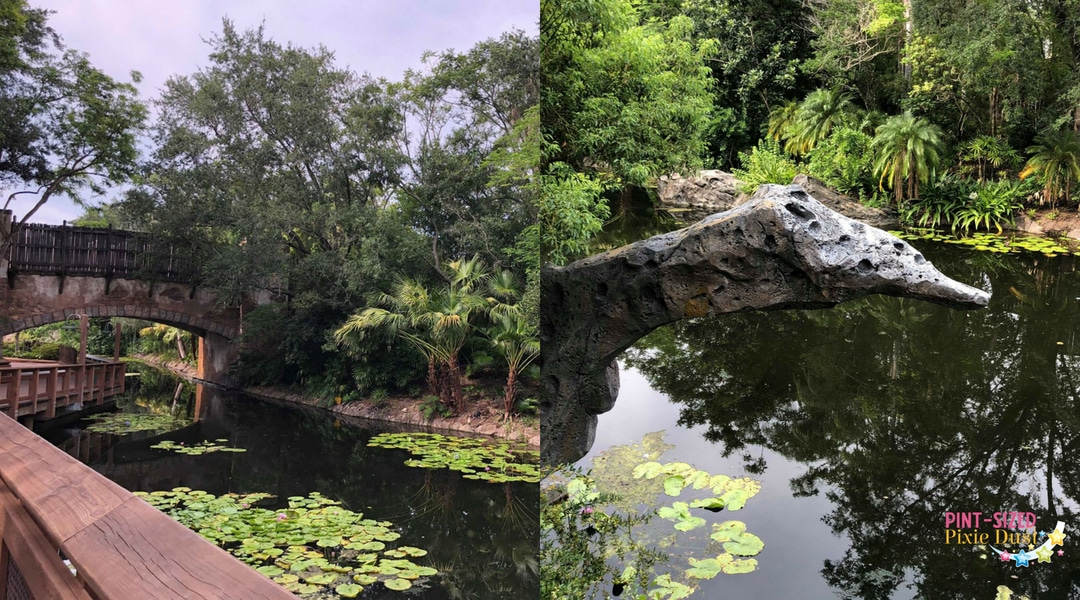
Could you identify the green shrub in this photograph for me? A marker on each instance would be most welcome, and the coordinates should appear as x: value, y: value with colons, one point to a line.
x: 991, y: 205
x: 431, y: 407
x: 968, y: 205
x: 766, y: 163
x: 844, y: 162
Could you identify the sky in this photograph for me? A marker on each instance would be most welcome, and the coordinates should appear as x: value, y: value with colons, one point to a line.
x: 159, y: 39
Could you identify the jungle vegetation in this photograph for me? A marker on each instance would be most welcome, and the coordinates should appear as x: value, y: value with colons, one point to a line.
x: 285, y: 174
x: 954, y: 114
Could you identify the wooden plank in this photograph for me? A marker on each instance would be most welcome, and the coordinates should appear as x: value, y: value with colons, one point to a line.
x: 40, y: 565
x: 62, y: 495
x: 137, y: 552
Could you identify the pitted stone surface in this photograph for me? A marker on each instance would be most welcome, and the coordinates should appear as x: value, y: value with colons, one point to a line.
x: 781, y: 250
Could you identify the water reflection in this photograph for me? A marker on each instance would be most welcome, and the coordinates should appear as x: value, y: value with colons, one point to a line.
x: 898, y: 411
x: 482, y: 537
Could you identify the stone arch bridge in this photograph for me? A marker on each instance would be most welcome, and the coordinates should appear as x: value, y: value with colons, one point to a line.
x: 52, y: 273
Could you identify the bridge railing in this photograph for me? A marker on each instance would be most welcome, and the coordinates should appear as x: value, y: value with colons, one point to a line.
x: 68, y: 250
x: 52, y: 507
x: 31, y: 387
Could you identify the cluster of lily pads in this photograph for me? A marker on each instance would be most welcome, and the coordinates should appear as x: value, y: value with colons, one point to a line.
x: 314, y: 545
x: 200, y: 448
x: 476, y: 458
x: 121, y: 423
x: 620, y: 471
x: 728, y: 493
x: 990, y: 242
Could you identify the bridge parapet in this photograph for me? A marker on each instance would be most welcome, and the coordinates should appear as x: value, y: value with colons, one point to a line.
x: 88, y: 251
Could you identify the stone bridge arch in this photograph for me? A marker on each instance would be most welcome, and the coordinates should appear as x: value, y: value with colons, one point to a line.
x: 32, y: 300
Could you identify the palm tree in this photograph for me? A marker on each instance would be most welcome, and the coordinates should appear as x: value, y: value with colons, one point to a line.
x: 989, y: 150
x: 517, y: 343
x: 817, y: 115
x: 781, y: 119
x: 1056, y: 158
x: 908, y: 149
x: 436, y: 323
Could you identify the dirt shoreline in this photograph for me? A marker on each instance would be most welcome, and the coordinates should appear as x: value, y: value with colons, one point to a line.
x: 483, y: 418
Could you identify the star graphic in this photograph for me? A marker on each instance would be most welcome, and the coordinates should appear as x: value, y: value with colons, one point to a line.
x: 1061, y: 553
x: 1031, y: 546
x: 1044, y: 553
x: 1021, y: 559
x: 1042, y: 534
x: 1004, y: 556
x: 1057, y: 538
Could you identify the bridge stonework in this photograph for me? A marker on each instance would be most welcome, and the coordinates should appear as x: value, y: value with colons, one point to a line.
x: 31, y: 300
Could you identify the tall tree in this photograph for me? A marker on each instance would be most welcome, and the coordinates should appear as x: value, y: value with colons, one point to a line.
x: 906, y: 150
x: 622, y: 102
x: 65, y: 126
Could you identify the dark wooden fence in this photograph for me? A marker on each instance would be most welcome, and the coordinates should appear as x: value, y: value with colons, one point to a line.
x: 66, y: 250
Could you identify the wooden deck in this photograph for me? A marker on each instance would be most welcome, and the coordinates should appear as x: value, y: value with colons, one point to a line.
x: 38, y: 387
x: 54, y: 507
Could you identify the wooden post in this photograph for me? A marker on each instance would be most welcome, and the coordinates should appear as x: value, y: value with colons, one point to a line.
x: 80, y: 383
x: 34, y: 376
x: 50, y: 389
x: 13, y: 393
x: 100, y: 370
x: 84, y: 321
x: 116, y: 340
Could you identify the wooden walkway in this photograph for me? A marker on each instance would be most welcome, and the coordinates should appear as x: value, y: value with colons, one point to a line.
x: 38, y: 387
x: 54, y: 507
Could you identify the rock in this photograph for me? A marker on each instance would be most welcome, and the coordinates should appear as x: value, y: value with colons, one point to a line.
x: 781, y: 250
x: 846, y: 205
x: 692, y: 198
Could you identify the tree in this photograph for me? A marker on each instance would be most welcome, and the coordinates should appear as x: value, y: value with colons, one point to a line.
x: 906, y: 149
x: 623, y: 102
x: 65, y: 126
x: 437, y: 323
x: 511, y: 333
x: 462, y: 109
x: 815, y: 118
x: 1056, y: 159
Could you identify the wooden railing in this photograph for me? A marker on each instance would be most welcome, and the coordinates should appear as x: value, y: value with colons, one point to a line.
x: 66, y: 250
x: 52, y: 507
x: 30, y: 387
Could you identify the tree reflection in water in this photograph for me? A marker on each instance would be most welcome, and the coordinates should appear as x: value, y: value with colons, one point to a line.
x: 900, y: 411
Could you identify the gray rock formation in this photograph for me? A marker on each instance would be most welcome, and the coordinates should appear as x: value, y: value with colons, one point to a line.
x: 690, y: 199
x: 845, y: 205
x: 782, y: 250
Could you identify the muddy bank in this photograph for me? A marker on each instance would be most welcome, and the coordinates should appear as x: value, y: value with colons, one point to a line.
x: 483, y: 417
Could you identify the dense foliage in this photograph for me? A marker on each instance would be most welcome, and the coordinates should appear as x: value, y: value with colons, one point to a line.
x: 880, y: 99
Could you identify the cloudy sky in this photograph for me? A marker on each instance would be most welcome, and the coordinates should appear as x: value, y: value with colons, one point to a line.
x: 379, y: 37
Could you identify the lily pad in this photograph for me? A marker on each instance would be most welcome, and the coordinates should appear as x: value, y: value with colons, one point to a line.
x: 476, y: 458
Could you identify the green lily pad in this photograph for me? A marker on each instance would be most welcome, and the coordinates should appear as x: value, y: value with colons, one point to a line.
x: 398, y: 584
x: 348, y: 590
x: 673, y: 485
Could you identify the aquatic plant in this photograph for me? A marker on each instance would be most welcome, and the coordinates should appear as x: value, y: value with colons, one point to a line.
x: 200, y: 448
x: 314, y: 545
x: 476, y: 458
x: 578, y: 510
x: 121, y: 423
x: 989, y: 242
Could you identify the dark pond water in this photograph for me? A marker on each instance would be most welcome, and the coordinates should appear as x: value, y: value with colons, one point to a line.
x: 867, y: 423
x: 482, y: 537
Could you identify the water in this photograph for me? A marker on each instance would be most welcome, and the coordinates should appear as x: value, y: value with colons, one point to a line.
x: 868, y: 422
x: 482, y: 537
